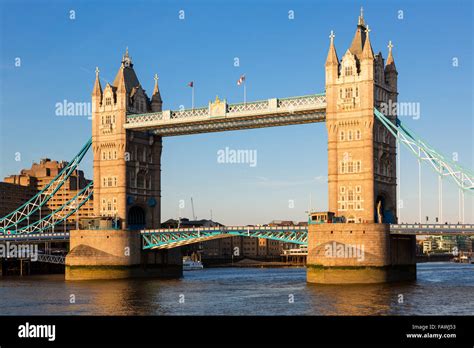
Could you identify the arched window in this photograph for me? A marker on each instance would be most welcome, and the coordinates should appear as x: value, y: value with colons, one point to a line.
x: 341, y: 135
x: 358, y: 134
x: 349, y: 135
x: 343, y: 167
x: 358, y: 166
x: 350, y: 195
x: 340, y: 93
x: 140, y: 180
x: 350, y: 167
x: 343, y: 189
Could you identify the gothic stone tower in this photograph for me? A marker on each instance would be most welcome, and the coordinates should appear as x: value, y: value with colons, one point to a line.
x: 126, y: 188
x: 361, y: 152
x: 361, y: 170
x: 126, y: 163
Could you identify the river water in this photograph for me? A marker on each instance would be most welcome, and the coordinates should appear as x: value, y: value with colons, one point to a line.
x: 441, y: 289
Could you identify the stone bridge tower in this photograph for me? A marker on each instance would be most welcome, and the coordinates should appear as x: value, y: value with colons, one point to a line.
x: 126, y: 163
x: 361, y: 172
x: 126, y: 188
x: 361, y: 151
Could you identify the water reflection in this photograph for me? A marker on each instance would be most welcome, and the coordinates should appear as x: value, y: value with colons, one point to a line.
x: 440, y: 289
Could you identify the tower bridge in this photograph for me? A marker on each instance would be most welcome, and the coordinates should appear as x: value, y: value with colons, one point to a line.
x: 127, y: 131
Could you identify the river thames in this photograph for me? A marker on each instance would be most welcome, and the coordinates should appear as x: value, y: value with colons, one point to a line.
x: 441, y: 289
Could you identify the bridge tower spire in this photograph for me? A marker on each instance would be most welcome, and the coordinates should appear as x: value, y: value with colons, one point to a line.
x: 156, y: 101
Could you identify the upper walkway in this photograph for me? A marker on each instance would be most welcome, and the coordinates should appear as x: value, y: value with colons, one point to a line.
x: 220, y: 116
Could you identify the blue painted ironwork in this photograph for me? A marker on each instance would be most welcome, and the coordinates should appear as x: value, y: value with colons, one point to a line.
x: 59, y: 215
x: 464, y: 178
x: 41, y: 198
x: 170, y: 238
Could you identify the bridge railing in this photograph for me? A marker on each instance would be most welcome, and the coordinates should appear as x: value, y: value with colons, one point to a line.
x: 270, y: 106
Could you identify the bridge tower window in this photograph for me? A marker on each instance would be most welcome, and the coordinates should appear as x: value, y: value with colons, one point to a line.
x: 341, y: 135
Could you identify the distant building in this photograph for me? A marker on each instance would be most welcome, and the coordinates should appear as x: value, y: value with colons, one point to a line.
x: 19, y: 188
x: 464, y: 243
x: 12, y: 196
x: 428, y: 246
x: 446, y: 243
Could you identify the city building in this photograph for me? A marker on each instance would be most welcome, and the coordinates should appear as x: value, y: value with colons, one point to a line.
x: 428, y: 246
x: 19, y: 188
x: 12, y: 196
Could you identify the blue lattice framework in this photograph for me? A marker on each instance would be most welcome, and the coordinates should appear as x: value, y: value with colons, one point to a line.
x: 12, y: 223
x: 171, y: 238
x: 462, y: 177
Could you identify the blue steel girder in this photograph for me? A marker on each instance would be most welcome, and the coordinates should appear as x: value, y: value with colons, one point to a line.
x: 171, y: 238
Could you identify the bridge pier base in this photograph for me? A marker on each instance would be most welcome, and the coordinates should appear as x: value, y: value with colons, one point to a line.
x: 118, y: 254
x: 359, y: 253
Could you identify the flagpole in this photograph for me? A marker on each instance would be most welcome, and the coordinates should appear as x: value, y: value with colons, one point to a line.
x: 245, y: 92
x: 192, y: 98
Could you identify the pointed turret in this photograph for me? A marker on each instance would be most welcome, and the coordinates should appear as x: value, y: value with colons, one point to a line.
x: 332, y: 62
x: 391, y: 73
x: 97, y: 91
x: 390, y: 64
x: 126, y: 77
x: 358, y: 41
x: 156, y: 101
x: 367, y: 52
x: 332, y: 55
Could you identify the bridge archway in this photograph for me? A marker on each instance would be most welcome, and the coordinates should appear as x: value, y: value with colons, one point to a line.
x: 384, y: 207
x: 136, y: 218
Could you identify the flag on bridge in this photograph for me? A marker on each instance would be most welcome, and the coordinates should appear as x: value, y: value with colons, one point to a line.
x: 191, y: 84
x: 241, y: 80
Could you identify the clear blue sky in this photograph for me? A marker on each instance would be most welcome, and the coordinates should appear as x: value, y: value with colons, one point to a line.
x: 280, y: 58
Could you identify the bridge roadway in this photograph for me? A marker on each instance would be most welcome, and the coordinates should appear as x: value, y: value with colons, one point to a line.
x: 170, y: 238
x: 220, y: 116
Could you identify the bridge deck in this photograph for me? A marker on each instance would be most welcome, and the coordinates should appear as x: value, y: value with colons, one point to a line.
x: 220, y: 116
x: 172, y: 237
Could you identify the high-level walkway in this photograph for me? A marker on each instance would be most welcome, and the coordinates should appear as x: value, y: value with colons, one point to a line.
x: 220, y: 116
